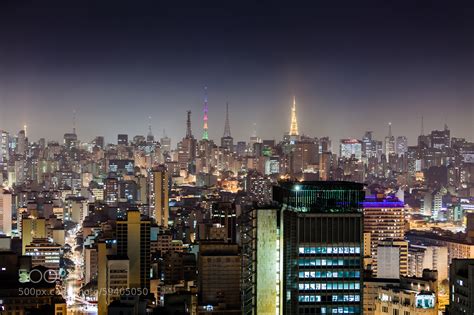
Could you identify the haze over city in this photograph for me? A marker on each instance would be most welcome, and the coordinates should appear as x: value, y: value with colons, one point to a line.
x: 117, y: 64
x: 211, y: 158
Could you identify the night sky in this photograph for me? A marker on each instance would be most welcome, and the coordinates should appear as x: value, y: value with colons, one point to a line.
x: 353, y: 66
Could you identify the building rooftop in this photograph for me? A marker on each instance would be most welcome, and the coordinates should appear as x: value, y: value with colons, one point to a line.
x: 320, y: 196
x: 386, y: 202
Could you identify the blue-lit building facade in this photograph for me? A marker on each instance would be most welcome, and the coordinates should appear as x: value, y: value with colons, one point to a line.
x: 319, y: 248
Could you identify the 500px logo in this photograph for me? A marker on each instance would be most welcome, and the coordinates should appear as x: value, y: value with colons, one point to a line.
x: 36, y: 276
x: 36, y: 292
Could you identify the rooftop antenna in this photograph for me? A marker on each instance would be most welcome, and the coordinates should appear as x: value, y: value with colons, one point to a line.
x: 74, y: 121
x: 422, y: 127
x: 227, y: 122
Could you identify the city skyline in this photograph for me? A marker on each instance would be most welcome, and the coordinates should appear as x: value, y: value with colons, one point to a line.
x: 118, y: 66
x: 236, y: 158
x: 197, y: 132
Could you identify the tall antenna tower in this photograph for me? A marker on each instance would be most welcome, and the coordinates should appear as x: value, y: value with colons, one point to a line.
x: 294, y: 121
x: 189, y: 134
x: 227, y: 122
x: 205, y: 133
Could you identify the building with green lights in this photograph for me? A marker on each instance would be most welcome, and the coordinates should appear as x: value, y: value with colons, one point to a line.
x: 304, y: 254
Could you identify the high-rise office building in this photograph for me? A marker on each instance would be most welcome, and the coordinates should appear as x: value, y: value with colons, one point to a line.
x: 46, y: 254
x: 5, y: 212
x: 432, y: 257
x: 461, y: 287
x: 219, y: 268
x: 70, y: 140
x: 369, y: 145
x: 133, y: 241
x: 304, y: 155
x: 309, y: 248
x: 325, y: 145
x: 112, y: 189
x: 4, y: 149
x: 392, y: 259
x: 160, y: 197
x: 402, y: 145
x: 117, y: 277
x: 122, y: 139
x: 351, y: 147
x: 165, y: 143
x: 22, y: 142
x: 383, y: 219
x: 389, y: 143
x: 440, y: 139
x: 104, y: 249
x: 261, y: 278
x: 99, y: 142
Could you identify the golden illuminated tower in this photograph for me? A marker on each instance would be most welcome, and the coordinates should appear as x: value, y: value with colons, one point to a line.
x: 294, y: 122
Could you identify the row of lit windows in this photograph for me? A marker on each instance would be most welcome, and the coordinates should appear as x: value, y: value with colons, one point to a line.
x: 42, y: 253
x: 333, y: 298
x: 328, y: 262
x: 330, y: 250
x: 337, y: 310
x: 329, y: 286
x: 329, y: 274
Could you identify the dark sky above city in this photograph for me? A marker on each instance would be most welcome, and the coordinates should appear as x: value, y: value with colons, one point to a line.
x: 353, y: 66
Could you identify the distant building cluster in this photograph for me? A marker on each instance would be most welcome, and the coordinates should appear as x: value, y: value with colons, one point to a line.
x: 304, y: 225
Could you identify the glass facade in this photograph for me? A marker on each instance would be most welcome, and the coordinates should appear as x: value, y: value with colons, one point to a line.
x: 323, y: 247
x: 321, y: 197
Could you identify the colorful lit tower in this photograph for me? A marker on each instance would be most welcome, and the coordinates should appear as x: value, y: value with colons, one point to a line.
x: 294, y: 122
x: 205, y: 134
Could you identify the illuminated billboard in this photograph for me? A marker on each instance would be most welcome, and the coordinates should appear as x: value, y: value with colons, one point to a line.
x: 425, y: 300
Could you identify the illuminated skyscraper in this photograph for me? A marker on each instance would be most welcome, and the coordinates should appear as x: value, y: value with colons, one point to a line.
x: 402, y: 145
x: 351, y: 147
x: 389, y: 144
x: 22, y: 142
x: 133, y: 241
x: 305, y: 255
x: 384, y: 220
x: 205, y: 134
x: 5, y: 212
x: 4, y: 150
x: 440, y: 139
x: 165, y: 143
